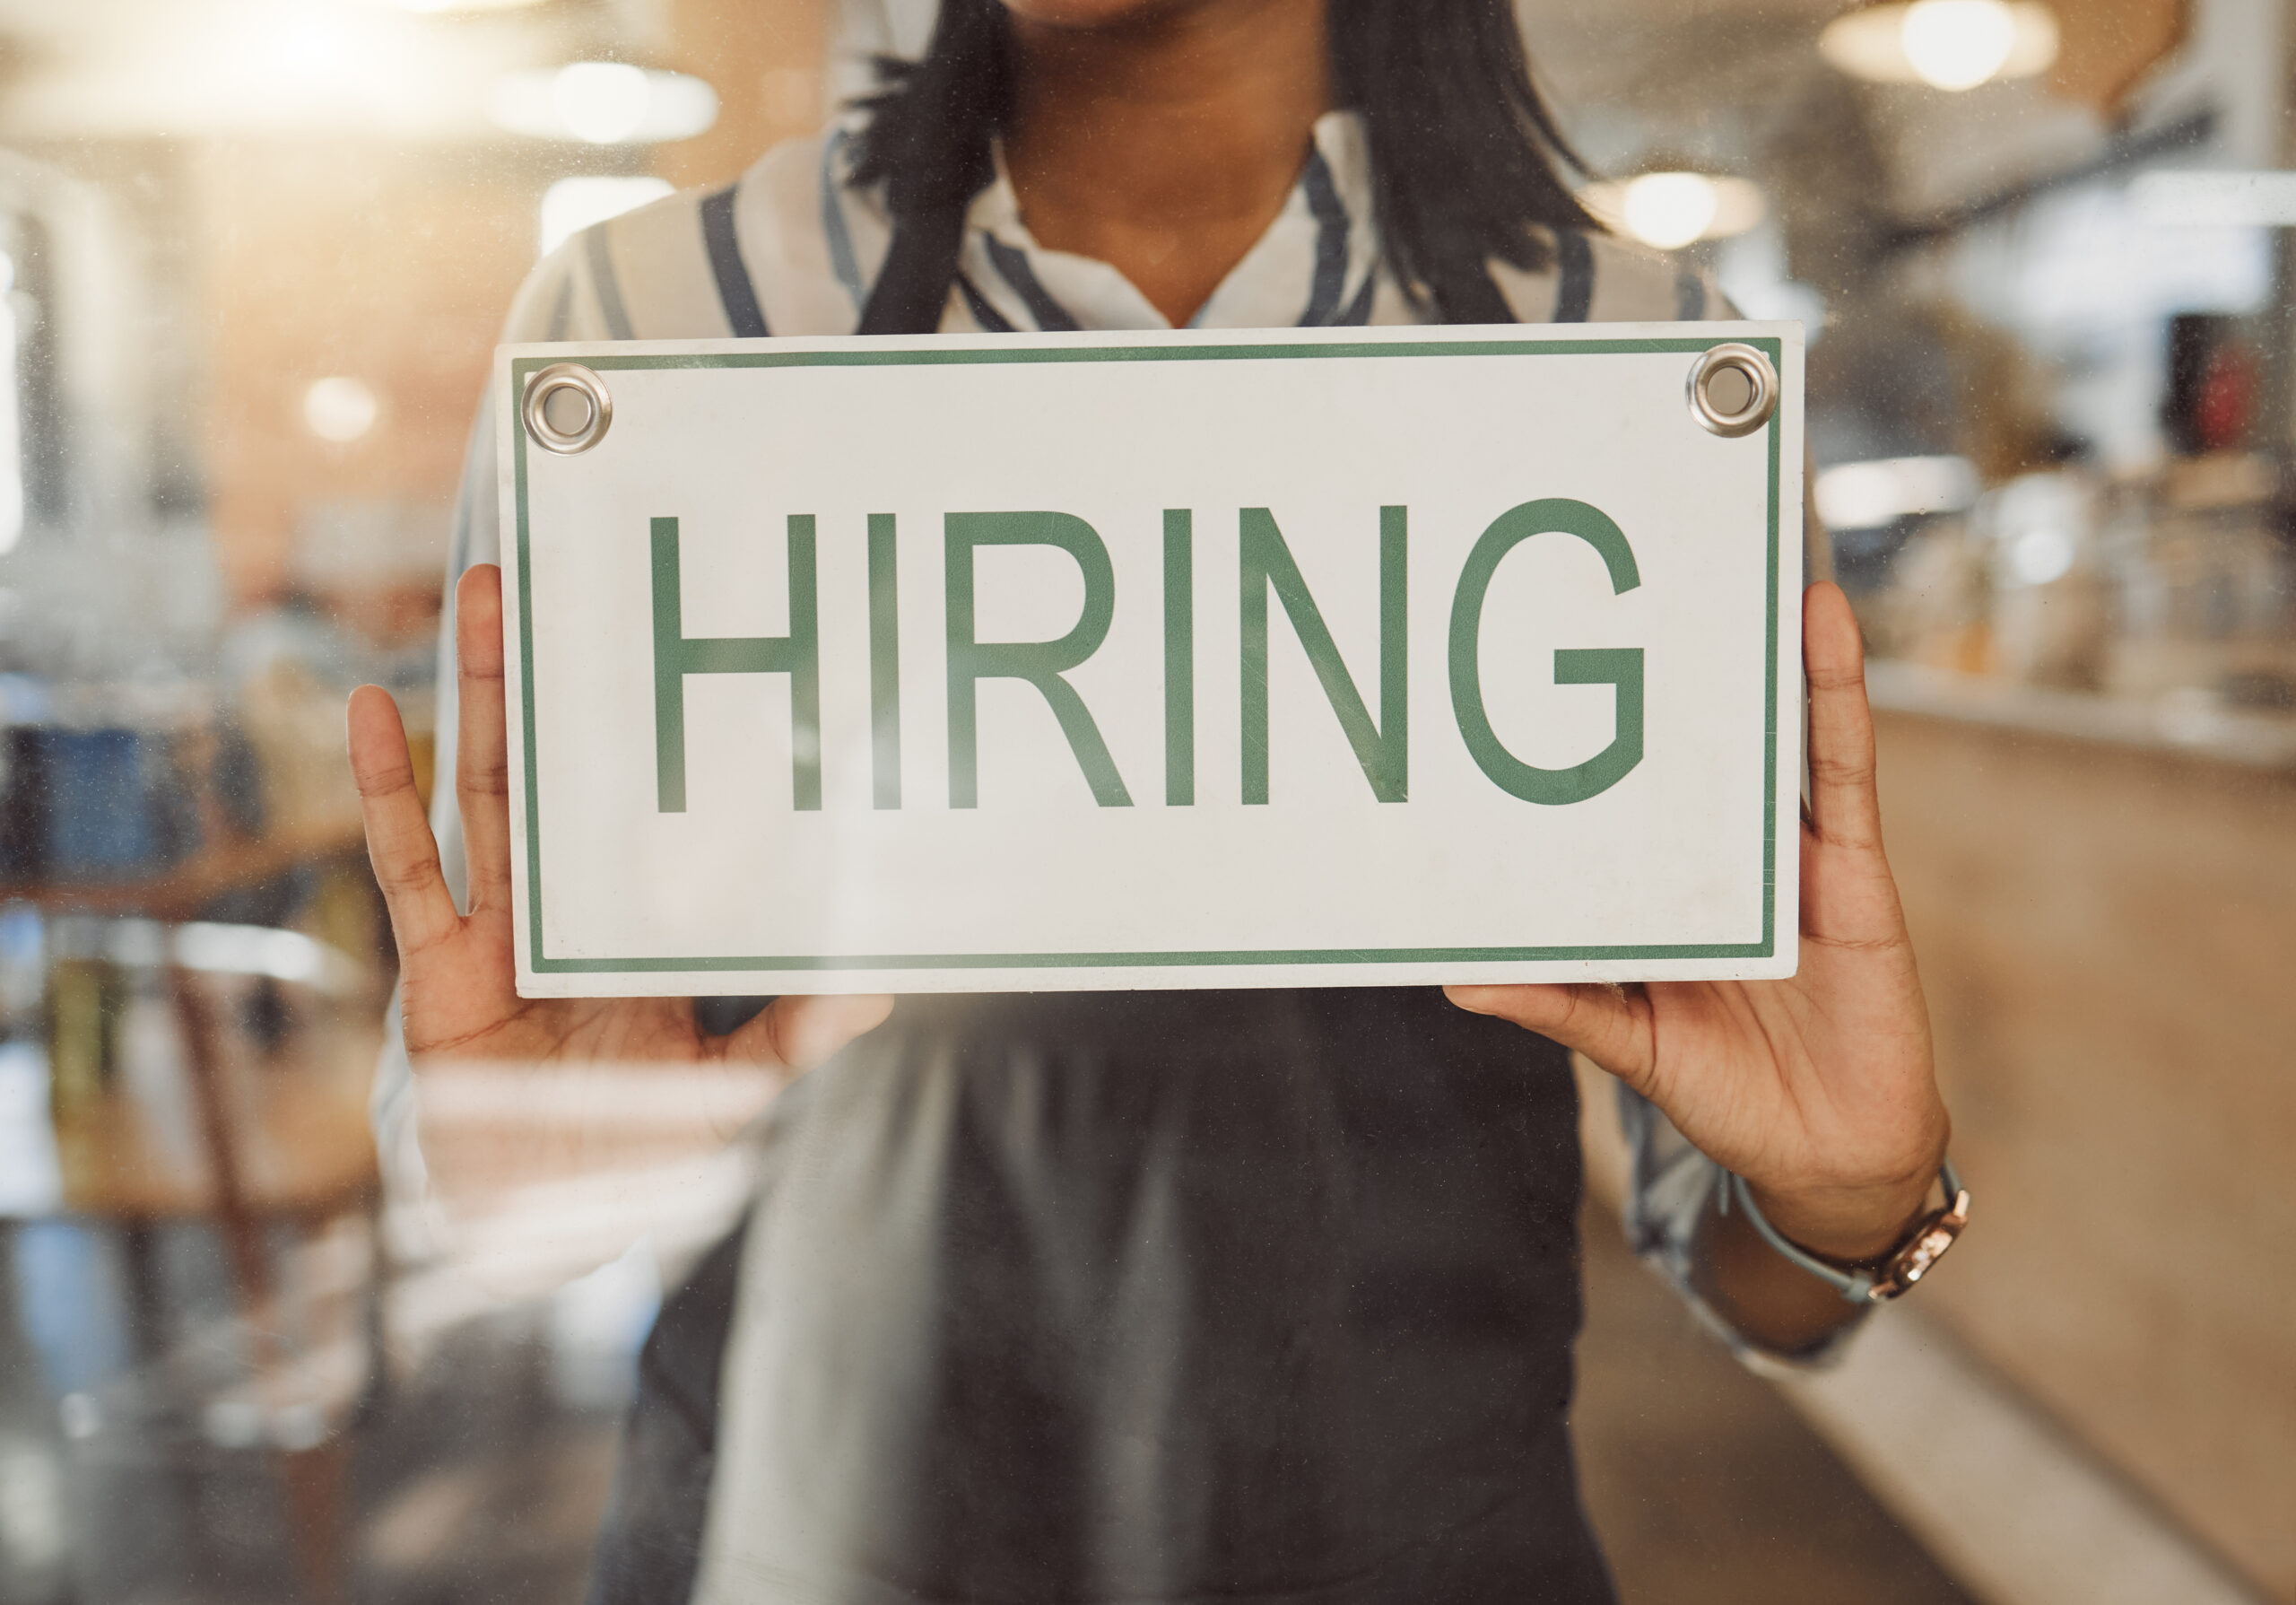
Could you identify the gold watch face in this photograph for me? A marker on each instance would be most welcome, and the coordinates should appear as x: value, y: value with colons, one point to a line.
x: 1927, y: 1246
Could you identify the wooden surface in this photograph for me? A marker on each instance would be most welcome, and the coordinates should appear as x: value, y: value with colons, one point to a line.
x: 299, y: 1130
x: 2109, y: 940
x: 304, y: 1149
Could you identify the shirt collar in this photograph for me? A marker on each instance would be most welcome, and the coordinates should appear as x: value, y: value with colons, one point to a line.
x: 1314, y: 264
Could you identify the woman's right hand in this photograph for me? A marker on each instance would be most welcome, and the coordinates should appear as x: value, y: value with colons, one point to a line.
x: 457, y: 982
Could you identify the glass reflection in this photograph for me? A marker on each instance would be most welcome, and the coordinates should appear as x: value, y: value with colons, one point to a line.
x: 273, y: 1328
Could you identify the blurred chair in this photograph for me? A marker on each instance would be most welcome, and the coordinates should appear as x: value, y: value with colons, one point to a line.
x: 212, y: 1074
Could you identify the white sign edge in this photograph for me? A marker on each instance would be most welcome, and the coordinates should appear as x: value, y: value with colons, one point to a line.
x: 1784, y: 912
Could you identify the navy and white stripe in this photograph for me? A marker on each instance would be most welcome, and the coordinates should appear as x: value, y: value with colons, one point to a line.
x: 735, y: 293
x: 605, y: 284
x: 1332, y: 226
x: 837, y: 233
x: 987, y: 317
x: 1013, y: 267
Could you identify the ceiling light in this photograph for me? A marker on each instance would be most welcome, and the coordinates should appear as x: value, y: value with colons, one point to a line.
x: 1868, y: 495
x: 434, y: 8
x: 262, y: 66
x: 1958, y: 44
x: 2043, y: 553
x: 1946, y: 44
x: 1671, y: 210
x: 603, y: 102
x: 307, y: 47
x: 340, y: 409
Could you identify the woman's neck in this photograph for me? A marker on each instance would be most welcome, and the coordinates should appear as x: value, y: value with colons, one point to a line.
x: 1165, y: 145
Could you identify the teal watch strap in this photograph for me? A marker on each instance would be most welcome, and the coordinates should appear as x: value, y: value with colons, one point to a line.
x: 1898, y: 1270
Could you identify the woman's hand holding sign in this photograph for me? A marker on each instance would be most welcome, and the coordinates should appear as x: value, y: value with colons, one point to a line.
x: 458, y: 996
x: 1820, y: 1090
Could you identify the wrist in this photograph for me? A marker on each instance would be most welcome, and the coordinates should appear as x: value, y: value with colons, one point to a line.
x: 1851, y: 1225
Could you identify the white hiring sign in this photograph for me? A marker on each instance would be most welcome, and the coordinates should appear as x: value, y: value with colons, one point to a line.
x: 1200, y: 660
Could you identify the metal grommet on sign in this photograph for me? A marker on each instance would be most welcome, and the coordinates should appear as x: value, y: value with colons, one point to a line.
x: 567, y: 408
x: 1733, y: 390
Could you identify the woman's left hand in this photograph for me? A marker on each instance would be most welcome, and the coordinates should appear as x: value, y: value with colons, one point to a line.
x: 1819, y: 1090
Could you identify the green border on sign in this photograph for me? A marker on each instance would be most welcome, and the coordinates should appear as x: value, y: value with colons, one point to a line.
x: 523, y: 368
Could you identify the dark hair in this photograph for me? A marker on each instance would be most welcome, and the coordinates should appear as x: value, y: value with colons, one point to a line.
x: 1464, y: 152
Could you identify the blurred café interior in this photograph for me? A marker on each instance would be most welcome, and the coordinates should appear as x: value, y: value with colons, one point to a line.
x: 254, y: 256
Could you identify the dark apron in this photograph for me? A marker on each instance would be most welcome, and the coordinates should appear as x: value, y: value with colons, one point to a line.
x: 1227, y: 1295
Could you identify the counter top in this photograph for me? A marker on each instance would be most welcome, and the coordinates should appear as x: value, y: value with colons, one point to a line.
x: 2188, y: 726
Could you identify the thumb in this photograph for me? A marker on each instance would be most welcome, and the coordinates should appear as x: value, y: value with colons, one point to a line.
x: 1610, y: 1024
x: 797, y: 1034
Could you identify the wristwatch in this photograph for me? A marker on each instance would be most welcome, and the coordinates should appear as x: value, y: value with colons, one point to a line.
x: 1877, y: 1280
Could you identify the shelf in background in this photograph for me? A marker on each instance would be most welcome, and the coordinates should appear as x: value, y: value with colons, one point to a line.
x: 182, y: 891
x: 2196, y: 728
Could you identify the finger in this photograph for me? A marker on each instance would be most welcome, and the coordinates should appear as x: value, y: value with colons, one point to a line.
x: 797, y: 1034
x: 481, y: 747
x: 399, y: 842
x: 1842, y: 799
x: 1609, y: 1024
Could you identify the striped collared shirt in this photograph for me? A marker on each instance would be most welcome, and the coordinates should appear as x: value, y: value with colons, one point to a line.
x: 790, y: 248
